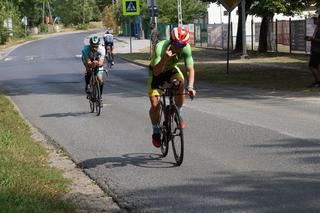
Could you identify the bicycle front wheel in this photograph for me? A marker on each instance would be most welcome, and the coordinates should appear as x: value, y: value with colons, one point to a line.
x: 176, y: 135
x: 91, y: 102
x: 164, y: 131
x: 91, y: 97
x: 97, y: 97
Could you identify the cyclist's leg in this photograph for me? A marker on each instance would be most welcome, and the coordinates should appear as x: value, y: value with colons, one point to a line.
x: 87, y: 77
x: 106, y: 48
x: 111, y: 49
x: 100, y: 79
x: 87, y: 74
x: 154, y: 96
x: 179, y: 99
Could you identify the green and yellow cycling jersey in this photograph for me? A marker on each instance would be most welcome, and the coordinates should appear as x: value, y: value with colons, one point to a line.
x: 160, y: 50
x: 171, y: 70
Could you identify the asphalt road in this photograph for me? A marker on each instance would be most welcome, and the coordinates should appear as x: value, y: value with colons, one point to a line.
x: 245, y: 150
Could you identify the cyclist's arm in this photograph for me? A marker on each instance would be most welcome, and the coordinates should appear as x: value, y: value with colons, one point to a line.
x: 157, y: 69
x: 188, y: 61
x: 159, y: 62
x: 190, y: 75
x: 102, y: 52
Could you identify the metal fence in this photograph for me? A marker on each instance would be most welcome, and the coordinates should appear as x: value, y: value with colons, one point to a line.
x: 283, y: 35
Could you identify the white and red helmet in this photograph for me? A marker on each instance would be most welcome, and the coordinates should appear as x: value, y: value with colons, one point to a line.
x: 179, y: 35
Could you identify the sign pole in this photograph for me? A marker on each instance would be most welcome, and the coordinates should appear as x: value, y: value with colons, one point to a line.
x: 131, y: 8
x: 229, y: 5
x: 130, y: 34
x: 152, y: 11
x: 228, y: 54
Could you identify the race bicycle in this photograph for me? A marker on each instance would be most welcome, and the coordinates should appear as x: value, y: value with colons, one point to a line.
x: 109, y: 56
x: 94, y: 95
x: 170, y: 123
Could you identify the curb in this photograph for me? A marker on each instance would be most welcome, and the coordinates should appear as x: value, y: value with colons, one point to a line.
x: 120, y: 40
x: 133, y: 62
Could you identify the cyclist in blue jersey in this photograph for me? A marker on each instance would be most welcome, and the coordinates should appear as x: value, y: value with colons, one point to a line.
x: 92, y: 57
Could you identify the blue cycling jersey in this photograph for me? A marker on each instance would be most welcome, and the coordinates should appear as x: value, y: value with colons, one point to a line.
x: 87, y: 53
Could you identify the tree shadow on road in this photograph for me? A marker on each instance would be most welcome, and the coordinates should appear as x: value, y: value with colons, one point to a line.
x: 235, y: 191
x: 302, y: 151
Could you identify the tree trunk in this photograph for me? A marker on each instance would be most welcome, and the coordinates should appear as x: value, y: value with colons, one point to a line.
x: 238, y: 47
x: 263, y: 37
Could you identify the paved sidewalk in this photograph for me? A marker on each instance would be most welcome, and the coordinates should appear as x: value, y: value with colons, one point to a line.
x: 123, y: 45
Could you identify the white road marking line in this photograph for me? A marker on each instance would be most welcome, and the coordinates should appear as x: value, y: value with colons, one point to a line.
x: 31, y: 57
x: 8, y: 59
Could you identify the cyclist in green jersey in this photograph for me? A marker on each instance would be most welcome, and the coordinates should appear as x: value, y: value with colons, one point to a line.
x: 163, y: 68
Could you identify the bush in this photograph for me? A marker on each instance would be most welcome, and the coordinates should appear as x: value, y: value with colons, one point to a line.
x: 94, y: 25
x: 4, y: 35
x: 82, y: 26
x: 43, y: 28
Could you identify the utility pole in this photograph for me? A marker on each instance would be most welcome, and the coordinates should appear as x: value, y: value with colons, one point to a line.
x: 83, y: 12
x: 43, y: 12
x: 179, y: 14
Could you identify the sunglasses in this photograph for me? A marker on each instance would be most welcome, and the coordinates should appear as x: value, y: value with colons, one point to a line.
x: 178, y: 44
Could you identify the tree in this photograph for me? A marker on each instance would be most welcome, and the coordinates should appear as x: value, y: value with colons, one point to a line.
x: 31, y: 9
x: 8, y: 10
x: 191, y: 10
x: 103, y: 3
x: 78, y: 11
x: 267, y: 8
x: 108, y: 18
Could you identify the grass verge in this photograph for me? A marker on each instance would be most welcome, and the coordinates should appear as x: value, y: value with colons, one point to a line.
x: 27, y: 182
x: 262, y: 71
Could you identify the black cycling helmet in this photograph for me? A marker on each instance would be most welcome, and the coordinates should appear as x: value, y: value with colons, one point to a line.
x: 94, y: 40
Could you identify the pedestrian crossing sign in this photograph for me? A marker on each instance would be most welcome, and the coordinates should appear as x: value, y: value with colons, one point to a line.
x: 131, y: 7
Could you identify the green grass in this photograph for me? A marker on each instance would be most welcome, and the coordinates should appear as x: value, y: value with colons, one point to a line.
x: 27, y: 182
x: 262, y: 71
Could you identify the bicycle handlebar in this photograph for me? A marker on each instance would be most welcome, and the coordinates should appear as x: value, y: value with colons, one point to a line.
x: 174, y: 85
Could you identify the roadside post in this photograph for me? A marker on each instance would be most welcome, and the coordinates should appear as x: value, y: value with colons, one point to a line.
x: 24, y: 21
x: 153, y: 10
x: 130, y: 8
x: 153, y: 13
x: 229, y: 5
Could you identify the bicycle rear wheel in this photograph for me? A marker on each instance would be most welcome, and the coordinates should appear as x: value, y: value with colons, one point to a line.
x: 109, y: 60
x: 97, y: 97
x: 164, y: 131
x: 176, y: 136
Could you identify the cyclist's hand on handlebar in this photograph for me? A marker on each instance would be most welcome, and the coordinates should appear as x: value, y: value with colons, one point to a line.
x: 191, y: 92
x: 95, y: 62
